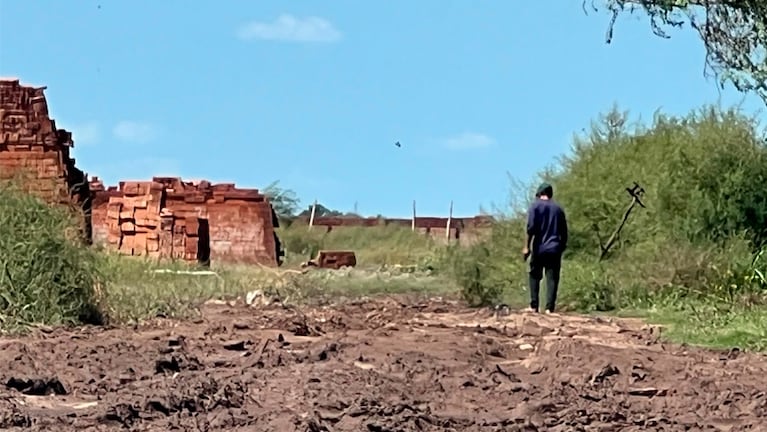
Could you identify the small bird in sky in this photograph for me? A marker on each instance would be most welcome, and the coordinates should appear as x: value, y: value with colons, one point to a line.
x: 398, y: 144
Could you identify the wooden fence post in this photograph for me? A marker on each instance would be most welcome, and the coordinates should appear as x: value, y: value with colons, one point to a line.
x: 311, y: 216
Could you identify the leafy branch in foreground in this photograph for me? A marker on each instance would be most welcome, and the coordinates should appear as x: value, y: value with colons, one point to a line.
x: 734, y: 33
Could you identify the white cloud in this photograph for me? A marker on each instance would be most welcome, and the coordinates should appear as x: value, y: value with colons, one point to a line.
x: 135, y: 132
x: 289, y: 28
x: 469, y: 141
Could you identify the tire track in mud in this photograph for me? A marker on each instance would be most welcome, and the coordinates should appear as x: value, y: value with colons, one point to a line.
x: 376, y: 365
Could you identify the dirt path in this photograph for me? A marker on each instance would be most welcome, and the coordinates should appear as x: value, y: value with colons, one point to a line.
x: 376, y: 366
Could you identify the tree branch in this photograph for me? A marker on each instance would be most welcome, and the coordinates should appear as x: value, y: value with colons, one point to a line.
x: 734, y: 33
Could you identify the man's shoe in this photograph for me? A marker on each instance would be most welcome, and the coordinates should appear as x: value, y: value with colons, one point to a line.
x: 530, y: 310
x: 547, y: 312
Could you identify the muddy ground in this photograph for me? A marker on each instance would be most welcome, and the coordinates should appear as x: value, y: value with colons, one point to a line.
x: 383, y: 365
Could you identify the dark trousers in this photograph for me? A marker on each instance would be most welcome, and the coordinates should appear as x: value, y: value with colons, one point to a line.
x: 551, y: 263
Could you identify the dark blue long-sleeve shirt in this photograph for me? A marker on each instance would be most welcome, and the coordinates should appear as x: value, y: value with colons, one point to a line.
x: 547, y: 224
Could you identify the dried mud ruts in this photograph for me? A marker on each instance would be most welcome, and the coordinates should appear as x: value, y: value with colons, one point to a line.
x: 378, y: 365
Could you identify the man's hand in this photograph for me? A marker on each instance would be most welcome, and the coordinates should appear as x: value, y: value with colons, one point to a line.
x: 525, y: 253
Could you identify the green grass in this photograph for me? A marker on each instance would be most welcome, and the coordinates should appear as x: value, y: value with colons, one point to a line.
x: 373, y: 246
x: 391, y: 260
x: 745, y: 329
x: 138, y: 292
x: 47, y: 275
x: 135, y: 292
x: 353, y: 283
x: 713, y: 297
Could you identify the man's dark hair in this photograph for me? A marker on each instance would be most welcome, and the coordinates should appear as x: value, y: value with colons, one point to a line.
x: 545, y: 189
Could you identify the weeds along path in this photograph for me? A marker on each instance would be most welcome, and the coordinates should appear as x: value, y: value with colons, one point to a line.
x: 376, y: 365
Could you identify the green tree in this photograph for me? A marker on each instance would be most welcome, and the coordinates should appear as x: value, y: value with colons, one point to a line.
x: 734, y: 33
x: 320, y: 211
x: 704, y: 176
x: 284, y: 201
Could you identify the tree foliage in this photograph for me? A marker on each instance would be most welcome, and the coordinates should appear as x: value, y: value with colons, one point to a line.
x: 734, y: 33
x: 284, y: 201
x: 322, y: 211
x: 287, y: 205
x: 704, y: 175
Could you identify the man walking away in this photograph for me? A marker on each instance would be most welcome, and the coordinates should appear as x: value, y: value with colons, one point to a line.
x: 546, y: 241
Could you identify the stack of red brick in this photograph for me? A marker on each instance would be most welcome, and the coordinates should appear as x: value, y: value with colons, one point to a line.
x: 32, y: 149
x: 211, y: 221
x: 241, y: 221
x: 138, y: 224
x: 165, y: 217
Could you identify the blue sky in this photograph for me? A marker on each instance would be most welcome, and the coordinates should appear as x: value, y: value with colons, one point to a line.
x: 315, y: 94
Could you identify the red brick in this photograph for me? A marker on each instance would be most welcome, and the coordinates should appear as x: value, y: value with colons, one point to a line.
x: 239, y: 220
x: 31, y: 145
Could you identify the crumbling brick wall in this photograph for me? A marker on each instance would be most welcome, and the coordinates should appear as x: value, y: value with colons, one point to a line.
x: 33, y: 150
x: 235, y: 225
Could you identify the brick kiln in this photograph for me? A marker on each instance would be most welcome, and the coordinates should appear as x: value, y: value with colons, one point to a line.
x: 168, y: 217
x: 33, y: 150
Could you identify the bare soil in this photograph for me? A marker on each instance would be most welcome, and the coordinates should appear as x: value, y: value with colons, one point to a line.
x: 377, y: 365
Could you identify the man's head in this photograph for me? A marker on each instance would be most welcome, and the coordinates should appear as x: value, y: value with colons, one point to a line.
x: 544, y: 191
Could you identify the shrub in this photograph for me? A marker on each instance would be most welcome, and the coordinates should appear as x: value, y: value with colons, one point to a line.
x: 703, y: 175
x: 699, y: 236
x: 47, y: 275
x: 489, y: 270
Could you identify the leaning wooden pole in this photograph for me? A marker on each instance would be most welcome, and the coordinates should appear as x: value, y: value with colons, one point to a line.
x: 311, y: 216
x: 636, y: 198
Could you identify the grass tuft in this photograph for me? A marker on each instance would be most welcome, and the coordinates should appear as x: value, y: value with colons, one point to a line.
x: 47, y: 274
x: 374, y: 246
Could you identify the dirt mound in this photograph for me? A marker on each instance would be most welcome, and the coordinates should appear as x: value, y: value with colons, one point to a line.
x: 383, y: 365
